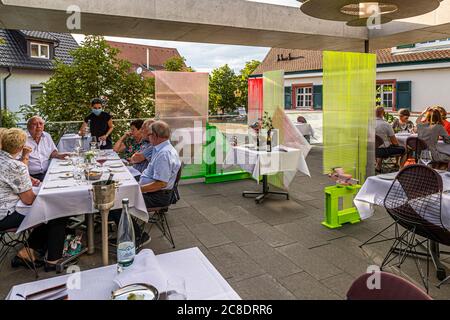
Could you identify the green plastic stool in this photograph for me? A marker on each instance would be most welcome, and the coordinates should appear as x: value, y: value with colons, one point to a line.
x: 335, y: 218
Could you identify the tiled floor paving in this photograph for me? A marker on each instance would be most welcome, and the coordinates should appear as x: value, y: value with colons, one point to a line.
x: 274, y: 250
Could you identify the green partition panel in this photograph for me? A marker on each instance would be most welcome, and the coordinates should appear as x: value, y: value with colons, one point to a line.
x: 273, y: 99
x: 349, y: 81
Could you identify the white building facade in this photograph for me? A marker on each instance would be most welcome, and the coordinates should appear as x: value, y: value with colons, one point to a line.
x: 27, y: 61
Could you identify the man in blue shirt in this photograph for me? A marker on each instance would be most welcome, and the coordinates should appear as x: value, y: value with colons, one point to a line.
x: 157, y: 181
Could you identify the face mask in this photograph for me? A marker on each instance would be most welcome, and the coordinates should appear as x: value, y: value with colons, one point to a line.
x: 97, y: 111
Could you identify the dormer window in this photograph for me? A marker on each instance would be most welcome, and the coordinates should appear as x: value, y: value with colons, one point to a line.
x: 39, y: 50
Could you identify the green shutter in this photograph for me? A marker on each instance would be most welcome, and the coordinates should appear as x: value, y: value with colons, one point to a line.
x: 403, y: 95
x: 317, y: 97
x: 287, y: 98
x: 406, y: 46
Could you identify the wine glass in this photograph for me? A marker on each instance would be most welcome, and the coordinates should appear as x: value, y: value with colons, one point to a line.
x: 425, y: 157
x: 101, y: 158
x: 176, y: 288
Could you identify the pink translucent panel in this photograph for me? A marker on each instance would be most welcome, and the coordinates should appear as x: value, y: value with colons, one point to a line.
x: 289, y: 135
x: 255, y: 100
x: 182, y: 98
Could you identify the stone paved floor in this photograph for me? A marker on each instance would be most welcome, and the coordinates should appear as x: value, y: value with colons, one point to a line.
x: 275, y: 250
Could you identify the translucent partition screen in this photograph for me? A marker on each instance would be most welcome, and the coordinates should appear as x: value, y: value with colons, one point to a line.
x: 349, y: 81
x: 182, y: 102
x: 255, y: 100
x: 287, y: 134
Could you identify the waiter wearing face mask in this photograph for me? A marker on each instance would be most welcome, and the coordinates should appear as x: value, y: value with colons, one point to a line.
x: 101, y: 124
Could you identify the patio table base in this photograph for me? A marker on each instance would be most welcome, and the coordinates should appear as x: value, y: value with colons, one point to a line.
x: 260, y: 196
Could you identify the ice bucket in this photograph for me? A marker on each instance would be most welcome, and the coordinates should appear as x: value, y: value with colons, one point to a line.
x: 104, y: 195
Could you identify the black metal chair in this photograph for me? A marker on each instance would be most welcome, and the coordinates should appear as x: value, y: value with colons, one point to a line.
x: 11, y: 240
x: 414, y: 202
x: 388, y: 164
x: 158, y: 215
x: 392, y: 287
x: 414, y: 146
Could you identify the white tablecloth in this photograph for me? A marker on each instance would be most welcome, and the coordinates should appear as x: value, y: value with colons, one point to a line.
x: 259, y: 163
x: 52, y: 203
x: 375, y: 189
x: 441, y: 146
x: 203, y: 281
x: 68, y: 142
x: 305, y: 129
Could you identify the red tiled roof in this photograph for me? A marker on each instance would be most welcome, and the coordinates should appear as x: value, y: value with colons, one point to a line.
x: 136, y: 54
x: 306, y: 60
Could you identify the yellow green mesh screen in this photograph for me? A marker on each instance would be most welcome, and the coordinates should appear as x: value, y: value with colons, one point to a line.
x: 349, y: 81
x: 273, y: 98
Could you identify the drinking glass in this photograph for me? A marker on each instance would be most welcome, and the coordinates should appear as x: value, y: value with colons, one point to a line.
x: 176, y: 288
x: 78, y: 146
x: 425, y: 157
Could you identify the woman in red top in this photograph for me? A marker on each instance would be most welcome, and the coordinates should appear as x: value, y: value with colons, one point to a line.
x: 445, y: 123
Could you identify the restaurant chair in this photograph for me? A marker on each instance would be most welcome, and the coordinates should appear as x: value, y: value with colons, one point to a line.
x: 388, y: 164
x: 392, y: 287
x: 414, y: 146
x: 11, y: 240
x: 158, y: 215
x: 414, y: 202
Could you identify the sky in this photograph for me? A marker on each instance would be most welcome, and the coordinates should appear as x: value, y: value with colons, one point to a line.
x: 205, y: 57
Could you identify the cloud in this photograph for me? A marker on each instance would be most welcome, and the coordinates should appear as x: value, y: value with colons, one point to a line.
x: 206, y: 57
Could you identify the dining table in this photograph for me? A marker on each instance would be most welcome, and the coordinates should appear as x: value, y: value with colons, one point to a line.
x: 201, y: 278
x: 61, y: 195
x: 441, y: 146
x: 261, y: 163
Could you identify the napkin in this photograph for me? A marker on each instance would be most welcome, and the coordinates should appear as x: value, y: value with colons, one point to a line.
x: 59, y: 184
x: 145, y: 269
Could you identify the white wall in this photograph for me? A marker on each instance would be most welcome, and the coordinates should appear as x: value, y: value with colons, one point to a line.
x: 429, y: 87
x: 18, y: 86
x: 430, y: 83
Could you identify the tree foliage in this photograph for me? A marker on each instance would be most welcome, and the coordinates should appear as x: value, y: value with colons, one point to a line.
x: 244, y: 74
x: 8, y: 119
x: 177, y: 64
x: 96, y: 71
x: 222, y: 85
x: 227, y: 91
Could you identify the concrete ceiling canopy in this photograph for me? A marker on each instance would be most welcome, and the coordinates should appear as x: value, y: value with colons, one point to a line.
x: 356, y: 13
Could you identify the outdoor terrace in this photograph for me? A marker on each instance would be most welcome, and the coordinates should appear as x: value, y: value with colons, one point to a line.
x: 274, y: 250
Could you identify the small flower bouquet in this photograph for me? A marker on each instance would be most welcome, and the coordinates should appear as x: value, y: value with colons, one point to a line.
x: 89, y: 156
x: 341, y: 178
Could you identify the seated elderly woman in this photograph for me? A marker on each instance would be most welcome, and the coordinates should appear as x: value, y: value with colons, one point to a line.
x: 403, y: 124
x: 131, y: 142
x: 15, y: 186
x: 25, y: 156
x: 430, y: 130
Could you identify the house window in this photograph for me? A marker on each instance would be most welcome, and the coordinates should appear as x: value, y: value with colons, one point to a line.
x: 40, y: 50
x: 36, y: 91
x: 304, y: 97
x: 385, y: 95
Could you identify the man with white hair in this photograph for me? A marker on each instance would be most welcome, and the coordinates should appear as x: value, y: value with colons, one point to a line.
x: 43, y: 148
